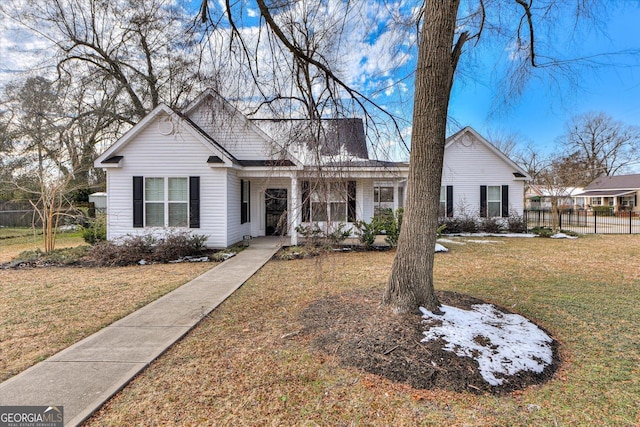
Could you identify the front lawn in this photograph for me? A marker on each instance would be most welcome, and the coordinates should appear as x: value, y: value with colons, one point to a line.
x: 44, y: 310
x: 16, y: 240
x: 252, y: 363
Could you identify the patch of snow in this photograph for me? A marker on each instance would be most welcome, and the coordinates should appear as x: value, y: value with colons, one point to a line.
x: 503, y: 344
x: 454, y: 242
x: 440, y: 248
x: 485, y: 242
x: 563, y: 236
x: 190, y: 259
x: 526, y: 235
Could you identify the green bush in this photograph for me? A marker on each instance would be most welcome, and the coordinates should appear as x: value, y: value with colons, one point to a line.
x: 64, y: 256
x: 367, y: 232
x: 602, y: 210
x: 542, y: 231
x: 338, y: 235
x: 315, y: 236
x: 393, y: 228
x: 96, y: 231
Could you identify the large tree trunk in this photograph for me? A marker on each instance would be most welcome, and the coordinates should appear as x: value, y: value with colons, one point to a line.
x: 411, y: 282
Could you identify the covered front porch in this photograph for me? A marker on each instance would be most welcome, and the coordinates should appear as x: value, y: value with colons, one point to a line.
x: 619, y: 201
x: 280, y: 204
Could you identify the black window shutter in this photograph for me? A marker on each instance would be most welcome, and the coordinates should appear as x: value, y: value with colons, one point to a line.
x: 449, y: 201
x: 248, y: 205
x: 138, y: 201
x: 243, y: 211
x: 483, y: 201
x: 194, y: 202
x: 306, y: 203
x: 351, y: 201
x: 505, y: 201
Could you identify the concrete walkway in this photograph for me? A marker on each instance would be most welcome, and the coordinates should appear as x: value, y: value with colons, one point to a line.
x: 84, y: 376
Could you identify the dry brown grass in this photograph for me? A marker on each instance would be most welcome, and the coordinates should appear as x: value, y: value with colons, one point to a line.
x: 237, y: 369
x: 44, y: 310
x: 10, y: 248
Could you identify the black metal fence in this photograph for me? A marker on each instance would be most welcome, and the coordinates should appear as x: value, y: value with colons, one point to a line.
x: 586, y: 222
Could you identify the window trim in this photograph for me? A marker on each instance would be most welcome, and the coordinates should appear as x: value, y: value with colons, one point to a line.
x: 191, y: 201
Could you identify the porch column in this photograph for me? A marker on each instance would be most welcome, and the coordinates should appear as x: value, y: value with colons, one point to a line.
x: 294, y: 210
x: 396, y: 202
x: 615, y: 203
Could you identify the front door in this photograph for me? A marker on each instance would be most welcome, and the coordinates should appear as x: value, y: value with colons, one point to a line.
x: 275, y: 202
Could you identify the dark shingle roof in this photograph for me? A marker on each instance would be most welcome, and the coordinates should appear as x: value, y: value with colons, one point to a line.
x: 615, y: 182
x: 333, y: 137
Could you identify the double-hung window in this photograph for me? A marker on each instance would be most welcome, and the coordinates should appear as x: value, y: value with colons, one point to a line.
x: 446, y: 201
x: 329, y: 202
x: 166, y: 202
x: 245, y: 201
x: 494, y: 200
x: 383, y: 199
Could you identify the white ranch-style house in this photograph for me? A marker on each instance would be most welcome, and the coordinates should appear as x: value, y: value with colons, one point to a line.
x: 210, y: 169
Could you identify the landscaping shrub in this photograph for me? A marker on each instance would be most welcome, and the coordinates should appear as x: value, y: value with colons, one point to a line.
x: 491, y: 225
x: 459, y: 224
x: 602, y: 210
x: 179, y: 245
x: 64, y: 256
x: 367, y: 232
x: 338, y: 235
x: 96, y: 231
x: 311, y: 233
x: 393, y: 228
x: 315, y: 236
x: 134, y: 249
x: 516, y: 223
x: 542, y: 231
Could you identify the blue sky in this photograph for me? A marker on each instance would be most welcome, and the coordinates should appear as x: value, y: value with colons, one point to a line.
x: 540, y: 114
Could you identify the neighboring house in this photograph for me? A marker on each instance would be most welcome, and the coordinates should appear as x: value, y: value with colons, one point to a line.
x: 478, y: 179
x: 619, y: 192
x: 210, y: 169
x: 539, y: 197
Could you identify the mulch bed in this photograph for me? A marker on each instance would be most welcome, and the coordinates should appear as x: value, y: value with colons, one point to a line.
x: 364, y: 334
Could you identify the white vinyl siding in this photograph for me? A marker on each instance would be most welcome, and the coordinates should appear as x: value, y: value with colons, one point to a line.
x: 152, y: 154
x: 236, y: 134
x: 235, y: 230
x: 469, y: 163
